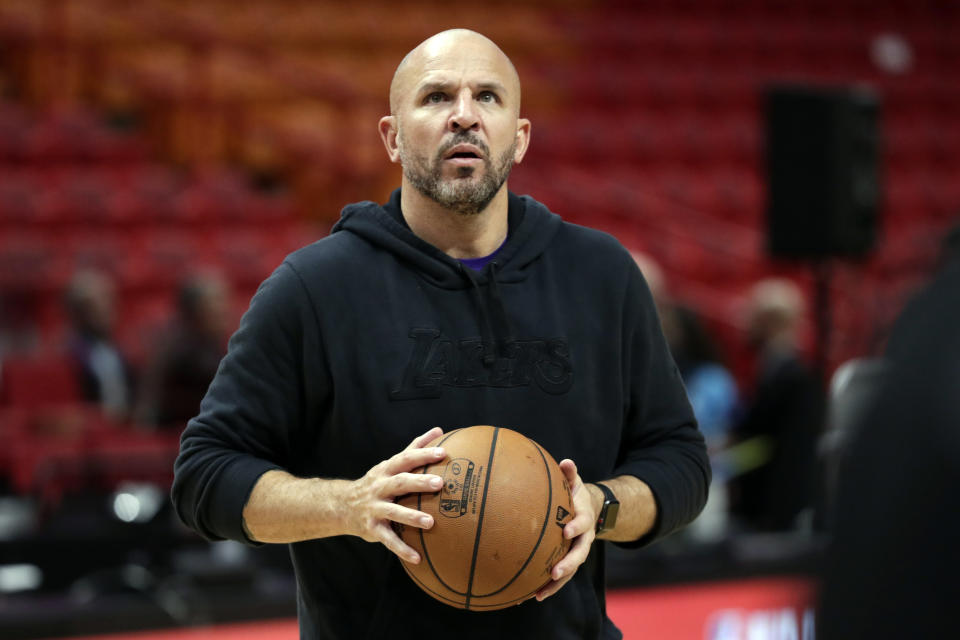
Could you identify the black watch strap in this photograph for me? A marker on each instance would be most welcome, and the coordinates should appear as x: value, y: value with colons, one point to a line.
x: 608, y: 512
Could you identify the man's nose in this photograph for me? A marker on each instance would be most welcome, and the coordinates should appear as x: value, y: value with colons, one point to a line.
x: 464, y: 115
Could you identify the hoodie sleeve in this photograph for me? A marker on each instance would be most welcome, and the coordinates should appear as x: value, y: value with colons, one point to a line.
x: 661, y: 445
x: 255, y: 403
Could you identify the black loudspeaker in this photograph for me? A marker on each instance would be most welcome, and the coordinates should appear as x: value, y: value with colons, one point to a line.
x: 823, y: 178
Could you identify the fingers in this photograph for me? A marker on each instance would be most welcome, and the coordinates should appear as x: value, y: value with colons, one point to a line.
x: 564, y: 570
x: 417, y: 454
x: 374, y: 508
x: 392, y: 541
x: 552, y: 587
x: 580, y: 529
x: 583, y: 519
x: 581, y: 524
x: 407, y: 516
x: 569, y: 469
x: 404, y: 483
x: 421, y: 441
x: 409, y: 459
x: 576, y: 555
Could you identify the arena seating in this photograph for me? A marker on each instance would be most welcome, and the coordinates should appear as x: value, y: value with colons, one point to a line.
x: 131, y: 135
x: 157, y: 138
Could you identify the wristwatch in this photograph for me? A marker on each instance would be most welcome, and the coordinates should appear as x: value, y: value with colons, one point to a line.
x: 607, y: 519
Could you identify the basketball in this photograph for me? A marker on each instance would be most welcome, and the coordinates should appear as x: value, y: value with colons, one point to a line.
x: 498, y: 520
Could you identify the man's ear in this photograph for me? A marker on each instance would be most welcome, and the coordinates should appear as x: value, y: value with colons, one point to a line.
x: 388, y: 133
x: 523, y: 140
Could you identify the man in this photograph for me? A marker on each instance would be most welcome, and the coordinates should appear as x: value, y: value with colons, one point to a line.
x: 711, y: 389
x: 105, y: 375
x: 188, y: 356
x: 776, y: 490
x: 456, y: 303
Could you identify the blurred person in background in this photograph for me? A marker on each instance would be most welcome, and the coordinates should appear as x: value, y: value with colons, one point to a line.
x: 893, y: 562
x: 182, y: 366
x: 711, y: 389
x: 777, y: 434
x: 106, y: 376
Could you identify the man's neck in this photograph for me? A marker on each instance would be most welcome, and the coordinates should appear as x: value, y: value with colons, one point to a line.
x: 457, y: 235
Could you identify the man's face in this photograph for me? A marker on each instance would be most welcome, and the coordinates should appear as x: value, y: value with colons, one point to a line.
x: 457, y: 130
x: 95, y: 307
x: 464, y: 182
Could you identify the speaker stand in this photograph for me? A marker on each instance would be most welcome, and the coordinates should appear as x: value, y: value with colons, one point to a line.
x: 822, y: 274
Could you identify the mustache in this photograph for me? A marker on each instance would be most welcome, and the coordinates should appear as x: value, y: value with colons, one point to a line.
x: 464, y: 137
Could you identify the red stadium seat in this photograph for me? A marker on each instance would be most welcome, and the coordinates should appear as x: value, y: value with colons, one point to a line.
x: 21, y: 200
x: 125, y: 454
x: 29, y: 263
x: 39, y: 381
x: 651, y: 121
x: 151, y: 191
x: 245, y: 256
x: 167, y: 256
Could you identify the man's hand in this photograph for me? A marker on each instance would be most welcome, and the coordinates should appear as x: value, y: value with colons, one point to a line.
x: 581, y: 530
x: 370, y: 501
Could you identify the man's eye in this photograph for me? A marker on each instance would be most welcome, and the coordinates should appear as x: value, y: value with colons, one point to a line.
x: 487, y: 96
x: 435, y: 97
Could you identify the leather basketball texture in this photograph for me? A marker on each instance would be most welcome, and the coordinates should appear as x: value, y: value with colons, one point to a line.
x: 498, y: 521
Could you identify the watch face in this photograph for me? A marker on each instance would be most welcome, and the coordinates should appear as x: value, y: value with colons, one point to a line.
x: 610, y: 521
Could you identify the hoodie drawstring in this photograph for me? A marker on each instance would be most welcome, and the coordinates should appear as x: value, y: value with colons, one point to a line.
x: 502, y: 326
x: 489, y: 333
x: 486, y: 329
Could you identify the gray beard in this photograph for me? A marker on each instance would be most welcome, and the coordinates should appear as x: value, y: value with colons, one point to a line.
x: 460, y: 194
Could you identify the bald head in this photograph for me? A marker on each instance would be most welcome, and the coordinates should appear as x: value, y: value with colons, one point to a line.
x: 777, y: 297
x: 90, y: 299
x: 775, y: 312
x: 455, y: 124
x: 653, y: 274
x: 451, y: 50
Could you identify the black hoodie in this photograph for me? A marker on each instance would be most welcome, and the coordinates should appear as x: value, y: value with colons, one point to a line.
x: 365, y: 339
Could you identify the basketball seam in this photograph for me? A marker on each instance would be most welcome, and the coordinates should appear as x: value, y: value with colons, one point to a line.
x: 483, y: 504
x: 423, y: 542
x: 466, y: 603
x: 435, y: 594
x: 440, y: 596
x: 543, y: 528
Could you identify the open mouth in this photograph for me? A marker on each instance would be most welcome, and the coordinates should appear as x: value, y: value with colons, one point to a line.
x: 464, y: 153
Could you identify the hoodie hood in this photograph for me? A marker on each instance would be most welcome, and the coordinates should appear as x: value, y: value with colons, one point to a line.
x: 531, y: 229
